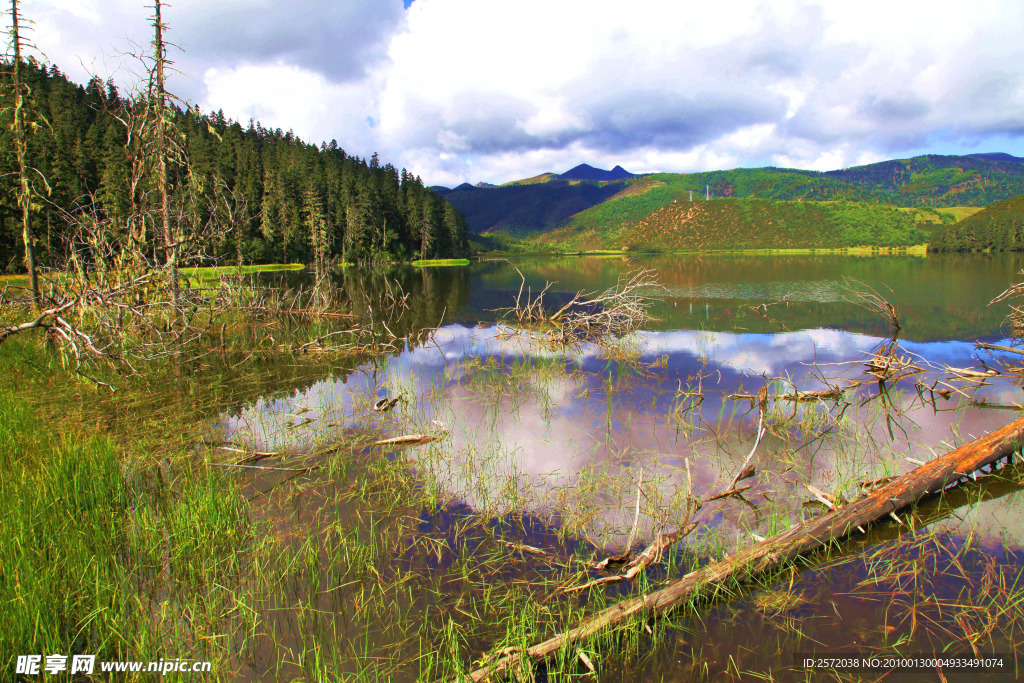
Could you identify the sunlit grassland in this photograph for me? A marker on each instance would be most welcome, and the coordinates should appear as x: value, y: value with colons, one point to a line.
x: 425, y: 263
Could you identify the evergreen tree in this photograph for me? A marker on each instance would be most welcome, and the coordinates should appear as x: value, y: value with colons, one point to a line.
x: 99, y: 152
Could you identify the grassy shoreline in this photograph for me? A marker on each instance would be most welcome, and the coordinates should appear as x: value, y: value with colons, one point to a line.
x: 913, y: 250
x: 440, y: 262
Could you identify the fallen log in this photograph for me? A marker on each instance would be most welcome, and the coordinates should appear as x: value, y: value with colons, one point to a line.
x: 771, y: 554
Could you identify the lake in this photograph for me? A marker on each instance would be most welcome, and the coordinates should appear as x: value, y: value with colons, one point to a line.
x: 576, y: 452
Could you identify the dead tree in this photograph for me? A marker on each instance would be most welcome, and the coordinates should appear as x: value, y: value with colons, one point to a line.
x: 594, y: 317
x: 20, y: 149
x: 161, y: 112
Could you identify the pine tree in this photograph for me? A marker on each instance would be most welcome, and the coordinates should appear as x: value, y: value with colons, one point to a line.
x: 316, y: 226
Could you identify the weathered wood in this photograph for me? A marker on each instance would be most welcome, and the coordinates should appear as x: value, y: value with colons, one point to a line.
x: 996, y: 347
x: 730, y: 492
x: 407, y: 440
x: 651, y: 554
x: 772, y: 553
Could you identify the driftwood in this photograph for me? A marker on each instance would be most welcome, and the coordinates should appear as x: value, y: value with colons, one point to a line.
x: 996, y: 347
x: 833, y: 393
x: 652, y: 554
x: 731, y: 492
x: 625, y: 555
x: 969, y: 374
x: 407, y: 440
x: 771, y: 554
x: 264, y: 467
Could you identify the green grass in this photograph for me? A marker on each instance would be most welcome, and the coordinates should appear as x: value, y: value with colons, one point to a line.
x: 100, y: 553
x: 423, y: 263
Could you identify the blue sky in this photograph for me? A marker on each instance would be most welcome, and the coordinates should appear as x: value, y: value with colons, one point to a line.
x: 494, y: 90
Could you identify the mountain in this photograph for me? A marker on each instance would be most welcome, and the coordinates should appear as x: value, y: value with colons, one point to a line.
x: 997, y: 156
x: 525, y: 208
x: 587, y: 172
x: 586, y: 199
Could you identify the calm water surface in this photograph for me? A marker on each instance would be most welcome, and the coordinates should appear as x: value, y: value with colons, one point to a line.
x: 568, y: 438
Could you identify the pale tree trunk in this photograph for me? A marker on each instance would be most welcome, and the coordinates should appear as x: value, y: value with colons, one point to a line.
x: 160, y: 61
x: 24, y: 196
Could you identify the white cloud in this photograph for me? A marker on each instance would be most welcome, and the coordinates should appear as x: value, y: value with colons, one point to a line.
x: 292, y: 98
x: 467, y: 90
x: 690, y: 86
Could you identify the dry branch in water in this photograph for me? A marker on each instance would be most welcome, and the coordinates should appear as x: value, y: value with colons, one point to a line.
x: 589, y: 317
x: 1016, y: 316
x: 867, y: 297
x: 771, y: 554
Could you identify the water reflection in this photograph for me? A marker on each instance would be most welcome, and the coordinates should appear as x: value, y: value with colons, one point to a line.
x: 563, y: 437
x: 534, y: 434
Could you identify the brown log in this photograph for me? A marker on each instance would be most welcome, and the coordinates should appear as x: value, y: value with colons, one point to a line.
x: 770, y: 554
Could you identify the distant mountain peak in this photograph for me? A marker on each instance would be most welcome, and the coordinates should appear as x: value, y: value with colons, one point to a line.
x: 996, y: 156
x: 588, y: 172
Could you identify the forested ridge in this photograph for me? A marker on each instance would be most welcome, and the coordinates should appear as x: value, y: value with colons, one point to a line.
x: 549, y: 201
x: 999, y: 227
x: 278, y: 198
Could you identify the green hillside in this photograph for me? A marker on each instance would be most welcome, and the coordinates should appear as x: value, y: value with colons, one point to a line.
x: 544, y: 203
x: 743, y: 224
x: 999, y: 227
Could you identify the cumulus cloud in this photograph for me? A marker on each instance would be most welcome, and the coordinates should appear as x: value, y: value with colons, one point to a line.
x: 462, y: 90
x: 687, y: 86
x: 245, y: 56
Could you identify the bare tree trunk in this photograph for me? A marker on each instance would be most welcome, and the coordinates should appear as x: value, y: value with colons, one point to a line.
x: 20, y: 148
x: 160, y: 61
x: 772, y: 553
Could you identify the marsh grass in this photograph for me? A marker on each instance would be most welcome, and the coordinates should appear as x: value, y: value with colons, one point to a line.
x: 100, y: 558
